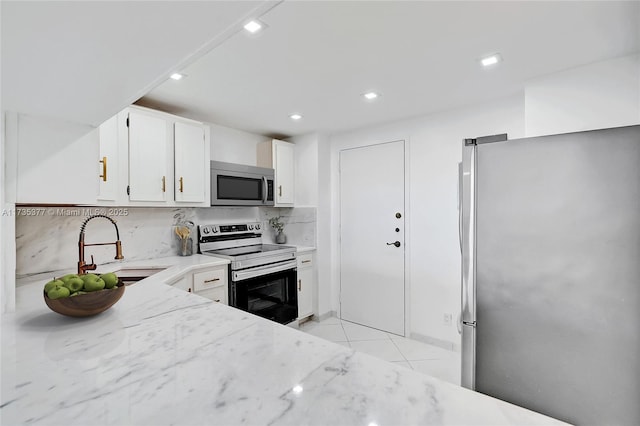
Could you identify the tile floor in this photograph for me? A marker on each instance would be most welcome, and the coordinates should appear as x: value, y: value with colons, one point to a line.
x: 428, y: 359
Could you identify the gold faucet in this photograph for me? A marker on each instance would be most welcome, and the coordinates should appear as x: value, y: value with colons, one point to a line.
x: 83, y: 267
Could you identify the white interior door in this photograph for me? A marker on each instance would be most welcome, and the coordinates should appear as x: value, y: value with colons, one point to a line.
x: 372, y: 236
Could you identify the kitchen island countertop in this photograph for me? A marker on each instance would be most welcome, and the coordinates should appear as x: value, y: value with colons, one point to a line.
x: 163, y: 356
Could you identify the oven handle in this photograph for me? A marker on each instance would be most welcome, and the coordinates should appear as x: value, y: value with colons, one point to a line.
x: 263, y: 270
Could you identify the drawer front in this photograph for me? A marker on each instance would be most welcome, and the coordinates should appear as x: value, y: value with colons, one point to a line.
x: 305, y: 260
x: 209, y: 279
x: 218, y: 294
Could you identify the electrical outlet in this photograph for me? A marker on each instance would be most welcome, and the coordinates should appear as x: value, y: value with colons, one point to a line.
x: 447, y: 318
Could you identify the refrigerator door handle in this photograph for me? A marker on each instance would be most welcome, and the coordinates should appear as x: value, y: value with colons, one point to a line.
x: 467, y: 245
x: 467, y: 232
x: 460, y: 206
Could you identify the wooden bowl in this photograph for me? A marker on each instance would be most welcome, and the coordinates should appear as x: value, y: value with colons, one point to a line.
x: 85, y: 305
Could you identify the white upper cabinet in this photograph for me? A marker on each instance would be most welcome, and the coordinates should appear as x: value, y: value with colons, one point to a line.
x: 284, y: 155
x: 148, y: 153
x: 190, y: 171
x: 153, y: 159
x: 280, y: 155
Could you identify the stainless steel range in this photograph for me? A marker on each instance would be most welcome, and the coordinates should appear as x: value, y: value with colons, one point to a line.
x: 262, y: 277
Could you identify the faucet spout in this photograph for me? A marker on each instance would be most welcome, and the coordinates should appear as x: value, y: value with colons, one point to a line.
x: 83, y: 267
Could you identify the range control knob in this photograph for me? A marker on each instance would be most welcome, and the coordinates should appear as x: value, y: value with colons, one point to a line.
x: 205, y: 230
x: 215, y: 229
x: 257, y: 226
x: 250, y: 227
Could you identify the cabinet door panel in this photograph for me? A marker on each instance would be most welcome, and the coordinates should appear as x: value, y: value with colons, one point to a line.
x: 190, y: 169
x: 284, y: 160
x: 108, y: 165
x: 148, y: 143
x: 210, y: 279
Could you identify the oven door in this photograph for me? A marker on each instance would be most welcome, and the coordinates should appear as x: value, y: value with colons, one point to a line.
x: 267, y: 291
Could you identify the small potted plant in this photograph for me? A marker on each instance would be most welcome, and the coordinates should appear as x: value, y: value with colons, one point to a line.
x: 278, y: 227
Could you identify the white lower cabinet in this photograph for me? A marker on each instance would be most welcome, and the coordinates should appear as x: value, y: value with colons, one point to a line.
x: 184, y: 283
x: 210, y: 283
x: 218, y: 294
x: 306, y: 284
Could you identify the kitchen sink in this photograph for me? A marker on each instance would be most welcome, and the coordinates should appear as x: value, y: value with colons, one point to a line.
x: 133, y: 275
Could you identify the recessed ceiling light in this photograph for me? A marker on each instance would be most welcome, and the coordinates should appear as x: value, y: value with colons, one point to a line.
x: 491, y: 60
x: 295, y: 116
x: 253, y: 26
x: 177, y: 76
x: 371, y: 96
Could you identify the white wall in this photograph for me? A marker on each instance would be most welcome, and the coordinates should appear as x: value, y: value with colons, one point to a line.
x: 8, y: 160
x: 52, y: 154
x: 594, y: 96
x: 434, y: 145
x: 234, y: 146
x: 326, y: 260
x: 598, y: 95
x: 306, y: 169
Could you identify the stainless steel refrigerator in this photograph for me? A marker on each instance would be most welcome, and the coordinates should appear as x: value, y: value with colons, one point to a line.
x: 550, y: 237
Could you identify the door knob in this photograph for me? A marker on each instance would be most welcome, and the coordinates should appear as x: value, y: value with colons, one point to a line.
x: 397, y: 244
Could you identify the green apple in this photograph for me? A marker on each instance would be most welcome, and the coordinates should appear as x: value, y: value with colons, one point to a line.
x: 78, y: 293
x: 92, y: 282
x: 58, y: 292
x: 110, y: 279
x: 51, y: 284
x: 74, y: 284
x: 68, y: 277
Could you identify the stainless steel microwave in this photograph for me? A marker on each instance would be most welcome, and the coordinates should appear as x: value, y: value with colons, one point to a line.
x: 241, y: 185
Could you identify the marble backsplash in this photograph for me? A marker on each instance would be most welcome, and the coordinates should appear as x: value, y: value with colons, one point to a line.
x: 50, y: 242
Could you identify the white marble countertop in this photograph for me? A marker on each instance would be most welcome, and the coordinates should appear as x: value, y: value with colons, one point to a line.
x: 161, y: 356
x: 175, y: 268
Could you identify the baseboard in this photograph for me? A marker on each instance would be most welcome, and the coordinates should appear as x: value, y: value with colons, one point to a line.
x: 325, y: 316
x: 441, y: 343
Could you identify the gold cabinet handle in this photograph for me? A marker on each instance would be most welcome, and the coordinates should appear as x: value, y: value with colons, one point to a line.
x: 189, y: 290
x: 104, y: 169
x: 164, y: 184
x: 181, y: 184
x: 212, y: 280
x: 216, y: 300
x: 299, y: 285
x: 280, y: 190
x: 306, y: 261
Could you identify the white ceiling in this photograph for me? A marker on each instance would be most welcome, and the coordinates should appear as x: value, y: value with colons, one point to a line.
x: 316, y: 58
x: 83, y: 61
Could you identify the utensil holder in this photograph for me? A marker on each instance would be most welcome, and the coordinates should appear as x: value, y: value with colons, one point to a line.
x: 186, y: 247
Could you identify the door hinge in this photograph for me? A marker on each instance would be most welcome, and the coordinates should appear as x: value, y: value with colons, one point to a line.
x: 127, y: 121
x: 128, y: 190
